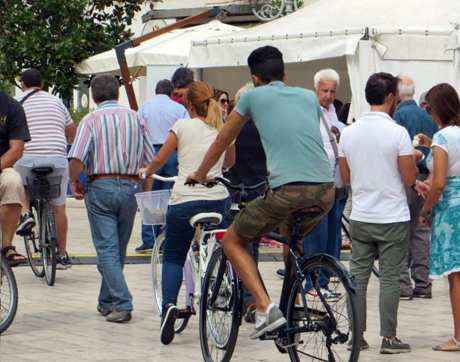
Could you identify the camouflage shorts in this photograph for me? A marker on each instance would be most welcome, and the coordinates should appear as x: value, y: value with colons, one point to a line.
x: 267, y: 212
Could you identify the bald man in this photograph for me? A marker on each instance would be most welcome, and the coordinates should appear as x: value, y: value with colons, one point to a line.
x: 416, y: 120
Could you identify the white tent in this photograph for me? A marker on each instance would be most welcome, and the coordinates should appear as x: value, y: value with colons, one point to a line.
x: 418, y: 38
x: 171, y: 48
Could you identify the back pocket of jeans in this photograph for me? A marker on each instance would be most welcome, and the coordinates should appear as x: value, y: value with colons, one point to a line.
x: 100, y: 201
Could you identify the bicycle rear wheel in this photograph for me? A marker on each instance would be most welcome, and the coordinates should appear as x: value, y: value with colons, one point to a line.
x: 48, y: 241
x: 33, y: 245
x: 220, y: 320
x: 157, y: 265
x: 332, y: 336
x: 8, y: 294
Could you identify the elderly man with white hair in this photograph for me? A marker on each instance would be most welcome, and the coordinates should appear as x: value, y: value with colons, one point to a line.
x: 323, y: 239
x: 416, y: 120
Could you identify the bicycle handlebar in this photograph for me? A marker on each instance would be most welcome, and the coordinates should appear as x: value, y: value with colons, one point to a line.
x: 160, y: 178
x: 227, y: 184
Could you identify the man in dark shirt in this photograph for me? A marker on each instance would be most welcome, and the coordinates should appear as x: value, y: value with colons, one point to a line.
x: 13, y: 134
x: 416, y: 120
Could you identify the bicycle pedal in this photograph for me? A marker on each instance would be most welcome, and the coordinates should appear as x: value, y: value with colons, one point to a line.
x: 269, y: 336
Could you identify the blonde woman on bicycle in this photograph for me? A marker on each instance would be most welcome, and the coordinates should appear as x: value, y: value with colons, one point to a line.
x: 192, y: 138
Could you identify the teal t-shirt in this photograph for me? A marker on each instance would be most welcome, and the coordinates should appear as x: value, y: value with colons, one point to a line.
x: 287, y: 119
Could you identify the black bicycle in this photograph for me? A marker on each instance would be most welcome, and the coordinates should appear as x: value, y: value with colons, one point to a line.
x: 8, y: 295
x: 320, y: 321
x: 41, y: 241
x: 345, y: 228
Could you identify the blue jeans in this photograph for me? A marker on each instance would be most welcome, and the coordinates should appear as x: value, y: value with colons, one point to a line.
x: 178, y: 237
x: 169, y: 169
x: 323, y: 239
x: 111, y: 208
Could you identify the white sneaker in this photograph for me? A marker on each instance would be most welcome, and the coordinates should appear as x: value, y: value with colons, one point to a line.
x: 269, y: 321
x: 327, y: 294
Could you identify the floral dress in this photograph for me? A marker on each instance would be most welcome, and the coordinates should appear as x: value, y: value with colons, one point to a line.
x: 445, y: 230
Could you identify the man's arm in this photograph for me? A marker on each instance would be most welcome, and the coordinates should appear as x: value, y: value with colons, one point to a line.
x: 77, y: 187
x: 11, y: 156
x: 70, y: 132
x: 344, y: 170
x: 226, y: 136
x: 408, y: 169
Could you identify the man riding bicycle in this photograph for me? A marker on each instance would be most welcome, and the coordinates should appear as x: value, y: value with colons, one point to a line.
x: 300, y: 176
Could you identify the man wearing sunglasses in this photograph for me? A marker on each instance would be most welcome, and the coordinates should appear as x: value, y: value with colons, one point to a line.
x: 416, y: 120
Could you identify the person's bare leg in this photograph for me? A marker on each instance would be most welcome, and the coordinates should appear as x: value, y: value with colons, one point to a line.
x: 454, y: 282
x: 61, y: 228
x: 26, y: 204
x: 242, y: 262
x: 10, y: 217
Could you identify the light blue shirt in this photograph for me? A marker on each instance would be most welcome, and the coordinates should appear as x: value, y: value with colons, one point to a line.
x: 287, y: 119
x: 160, y: 114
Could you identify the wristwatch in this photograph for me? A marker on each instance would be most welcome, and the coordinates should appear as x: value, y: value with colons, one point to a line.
x: 72, y: 182
x: 416, y: 183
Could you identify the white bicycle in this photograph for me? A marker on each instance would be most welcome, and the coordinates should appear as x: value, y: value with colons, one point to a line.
x: 153, y: 211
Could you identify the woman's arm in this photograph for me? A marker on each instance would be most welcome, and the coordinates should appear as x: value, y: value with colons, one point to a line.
x: 440, y: 162
x: 162, y: 156
x: 230, y: 156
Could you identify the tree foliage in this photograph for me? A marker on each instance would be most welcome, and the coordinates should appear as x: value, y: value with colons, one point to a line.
x: 55, y: 35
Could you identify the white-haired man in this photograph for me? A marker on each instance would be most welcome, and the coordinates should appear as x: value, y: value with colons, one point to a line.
x: 416, y: 120
x: 323, y: 238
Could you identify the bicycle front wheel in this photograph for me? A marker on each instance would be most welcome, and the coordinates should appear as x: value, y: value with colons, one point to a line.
x: 48, y: 242
x: 33, y: 245
x: 157, y: 266
x: 333, y: 312
x: 8, y: 294
x: 219, y: 320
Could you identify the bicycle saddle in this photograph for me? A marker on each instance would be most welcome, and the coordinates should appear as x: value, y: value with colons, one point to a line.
x: 42, y: 171
x: 212, y: 218
x: 307, y: 212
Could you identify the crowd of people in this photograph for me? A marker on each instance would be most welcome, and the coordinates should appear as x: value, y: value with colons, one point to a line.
x: 399, y: 164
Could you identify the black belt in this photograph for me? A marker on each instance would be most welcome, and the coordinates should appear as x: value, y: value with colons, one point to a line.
x: 157, y: 145
x: 300, y: 183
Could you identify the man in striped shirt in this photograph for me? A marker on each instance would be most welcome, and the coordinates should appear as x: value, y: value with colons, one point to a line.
x: 112, y: 143
x: 51, y: 129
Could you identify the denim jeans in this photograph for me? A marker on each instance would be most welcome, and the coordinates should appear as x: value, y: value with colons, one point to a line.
x: 178, y: 237
x: 169, y: 169
x: 111, y: 208
x: 323, y: 239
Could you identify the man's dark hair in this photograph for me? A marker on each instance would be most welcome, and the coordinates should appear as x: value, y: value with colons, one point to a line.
x: 182, y: 77
x: 379, y: 86
x: 267, y: 64
x: 32, y: 78
x: 104, y: 87
x: 164, y: 86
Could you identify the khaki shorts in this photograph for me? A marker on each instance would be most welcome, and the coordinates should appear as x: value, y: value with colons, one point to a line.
x: 11, y: 188
x: 267, y: 212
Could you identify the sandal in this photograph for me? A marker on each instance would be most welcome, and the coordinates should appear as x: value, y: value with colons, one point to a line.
x: 440, y: 347
x: 12, y: 258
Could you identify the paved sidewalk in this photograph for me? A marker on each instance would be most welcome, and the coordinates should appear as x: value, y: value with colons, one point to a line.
x: 60, y: 323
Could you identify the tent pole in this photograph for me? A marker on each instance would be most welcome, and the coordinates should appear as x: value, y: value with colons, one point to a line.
x: 121, y: 48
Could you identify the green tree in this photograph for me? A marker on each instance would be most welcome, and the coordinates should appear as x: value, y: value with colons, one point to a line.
x: 54, y: 35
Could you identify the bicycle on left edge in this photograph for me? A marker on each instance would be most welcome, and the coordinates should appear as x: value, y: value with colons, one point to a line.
x: 8, y: 295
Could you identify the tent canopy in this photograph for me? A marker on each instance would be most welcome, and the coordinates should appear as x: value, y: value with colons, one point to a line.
x: 327, y: 29
x: 172, y: 48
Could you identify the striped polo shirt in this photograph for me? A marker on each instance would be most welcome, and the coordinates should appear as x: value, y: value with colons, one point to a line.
x: 112, y: 140
x: 47, y: 119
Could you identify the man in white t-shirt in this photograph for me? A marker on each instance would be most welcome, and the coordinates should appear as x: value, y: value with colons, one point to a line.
x: 51, y: 129
x: 376, y: 157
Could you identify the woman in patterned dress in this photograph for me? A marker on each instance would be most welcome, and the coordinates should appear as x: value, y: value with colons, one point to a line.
x: 442, y: 206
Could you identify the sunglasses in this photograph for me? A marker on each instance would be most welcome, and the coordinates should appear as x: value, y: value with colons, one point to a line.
x: 428, y: 109
x: 223, y: 101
